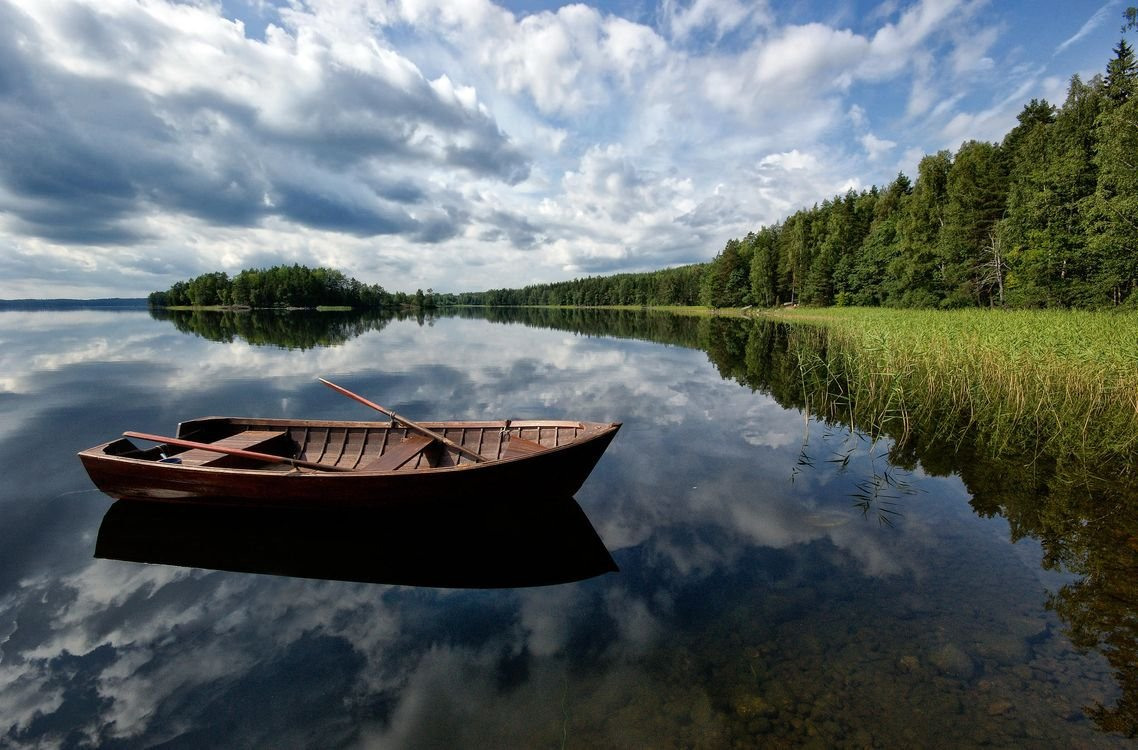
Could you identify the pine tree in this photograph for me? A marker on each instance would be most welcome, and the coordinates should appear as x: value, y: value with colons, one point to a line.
x: 819, y: 286
x: 794, y: 255
x: 1025, y: 149
x: 1053, y: 177
x: 976, y: 191
x: 727, y: 282
x: 881, y: 248
x: 914, y: 280
x: 764, y: 267
x: 848, y: 281
x: 1121, y: 75
x: 1111, y: 214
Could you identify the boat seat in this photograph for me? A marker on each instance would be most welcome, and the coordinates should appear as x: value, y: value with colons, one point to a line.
x: 248, y: 440
x: 520, y: 447
x: 399, y: 454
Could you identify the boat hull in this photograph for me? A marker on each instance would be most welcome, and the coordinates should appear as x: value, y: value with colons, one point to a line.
x: 559, y: 469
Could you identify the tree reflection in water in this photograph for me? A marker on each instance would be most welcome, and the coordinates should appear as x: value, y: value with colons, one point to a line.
x: 297, y: 329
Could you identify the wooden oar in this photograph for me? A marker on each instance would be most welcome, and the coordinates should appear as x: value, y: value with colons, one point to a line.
x: 476, y: 457
x: 267, y: 457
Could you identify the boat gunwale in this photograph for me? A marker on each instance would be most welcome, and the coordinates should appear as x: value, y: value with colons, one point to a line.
x: 399, y: 425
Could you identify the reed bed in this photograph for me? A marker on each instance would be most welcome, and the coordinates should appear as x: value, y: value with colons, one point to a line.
x: 1060, y: 381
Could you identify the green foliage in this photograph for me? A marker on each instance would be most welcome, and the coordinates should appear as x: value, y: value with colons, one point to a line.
x: 1026, y: 149
x: 976, y: 192
x: 727, y: 280
x: 672, y: 286
x: 913, y: 279
x: 280, y: 286
x: 1111, y: 213
x: 764, y: 266
x: 1119, y: 85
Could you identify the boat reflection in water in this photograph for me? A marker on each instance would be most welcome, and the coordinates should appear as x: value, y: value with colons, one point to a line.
x: 473, y: 543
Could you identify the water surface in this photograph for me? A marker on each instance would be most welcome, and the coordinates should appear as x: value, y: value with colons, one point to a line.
x: 782, y: 581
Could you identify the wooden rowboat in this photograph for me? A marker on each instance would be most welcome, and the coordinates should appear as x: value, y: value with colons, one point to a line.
x: 284, y: 462
x: 328, y: 463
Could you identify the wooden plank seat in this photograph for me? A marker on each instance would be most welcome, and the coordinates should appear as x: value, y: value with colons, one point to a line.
x: 520, y: 447
x: 247, y: 440
x: 399, y: 454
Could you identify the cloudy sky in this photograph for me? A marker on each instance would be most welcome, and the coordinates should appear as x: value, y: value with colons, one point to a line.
x: 464, y: 145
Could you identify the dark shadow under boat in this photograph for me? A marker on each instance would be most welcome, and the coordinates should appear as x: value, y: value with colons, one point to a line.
x: 472, y: 543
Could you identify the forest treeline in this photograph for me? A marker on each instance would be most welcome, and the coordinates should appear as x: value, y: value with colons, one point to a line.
x: 1048, y: 217
x: 288, y: 286
x: 671, y: 286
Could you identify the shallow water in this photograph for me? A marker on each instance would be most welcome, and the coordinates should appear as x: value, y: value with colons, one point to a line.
x: 782, y: 582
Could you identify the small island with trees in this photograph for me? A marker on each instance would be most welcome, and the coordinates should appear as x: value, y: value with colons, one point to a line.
x: 285, y: 287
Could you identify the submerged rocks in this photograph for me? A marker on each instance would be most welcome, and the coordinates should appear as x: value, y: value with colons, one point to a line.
x: 1031, y: 629
x: 999, y: 707
x: 953, y: 661
x: 1005, y: 650
x: 908, y: 664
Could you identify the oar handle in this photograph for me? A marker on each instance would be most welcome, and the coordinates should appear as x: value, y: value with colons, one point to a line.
x: 476, y: 457
x: 267, y: 457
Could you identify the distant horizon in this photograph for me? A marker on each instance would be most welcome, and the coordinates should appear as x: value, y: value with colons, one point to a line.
x: 72, y: 299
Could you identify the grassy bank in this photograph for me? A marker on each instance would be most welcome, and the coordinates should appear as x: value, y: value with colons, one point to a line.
x: 1065, y: 378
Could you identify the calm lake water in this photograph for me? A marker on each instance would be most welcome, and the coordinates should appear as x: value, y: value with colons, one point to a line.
x: 782, y: 582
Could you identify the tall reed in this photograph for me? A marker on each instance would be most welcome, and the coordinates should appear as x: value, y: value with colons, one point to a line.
x: 1059, y: 381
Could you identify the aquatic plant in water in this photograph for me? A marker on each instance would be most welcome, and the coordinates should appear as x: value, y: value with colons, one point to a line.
x: 1060, y: 382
